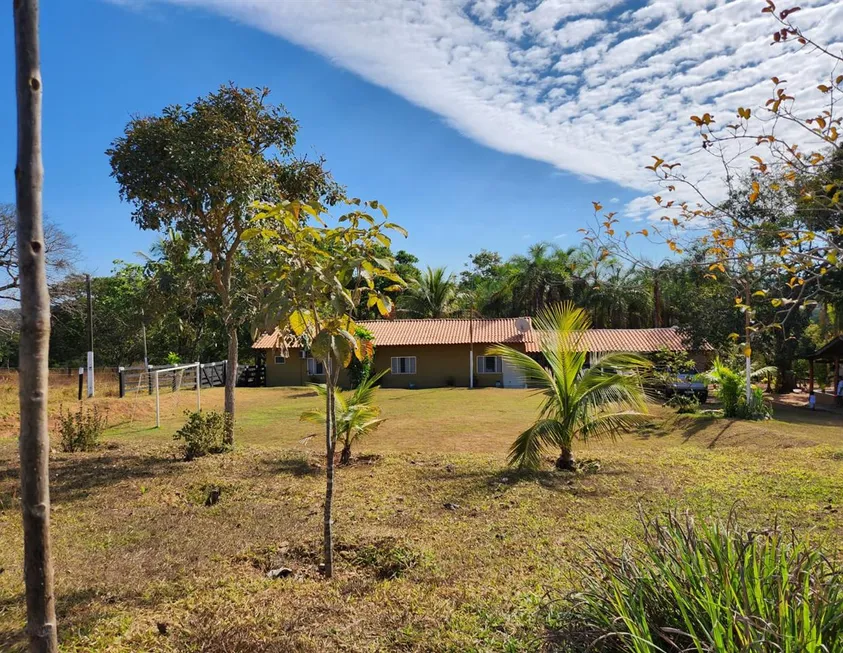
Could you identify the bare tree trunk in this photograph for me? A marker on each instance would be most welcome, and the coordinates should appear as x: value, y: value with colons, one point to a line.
x: 230, y: 383
x: 34, y: 441
x: 565, y: 460
x: 330, y: 445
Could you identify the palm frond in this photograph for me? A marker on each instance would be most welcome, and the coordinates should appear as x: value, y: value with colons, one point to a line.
x: 527, y: 450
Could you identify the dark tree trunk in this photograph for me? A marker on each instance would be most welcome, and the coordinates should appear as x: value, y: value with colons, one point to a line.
x: 330, y: 445
x: 231, y: 382
x: 34, y: 443
x: 345, y: 454
x: 565, y: 461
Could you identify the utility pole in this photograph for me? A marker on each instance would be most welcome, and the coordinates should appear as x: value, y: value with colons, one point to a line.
x: 34, y: 441
x: 91, y: 333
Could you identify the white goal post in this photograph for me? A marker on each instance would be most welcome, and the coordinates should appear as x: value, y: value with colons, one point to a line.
x: 156, y: 387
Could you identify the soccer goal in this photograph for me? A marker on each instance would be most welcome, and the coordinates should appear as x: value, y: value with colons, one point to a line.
x: 175, y: 381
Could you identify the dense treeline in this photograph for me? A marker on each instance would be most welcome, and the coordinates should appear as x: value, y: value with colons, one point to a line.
x: 170, y: 294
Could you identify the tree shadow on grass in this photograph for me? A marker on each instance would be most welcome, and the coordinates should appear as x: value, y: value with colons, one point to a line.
x: 76, y: 476
x: 77, y: 612
x: 297, y: 466
x: 498, y: 482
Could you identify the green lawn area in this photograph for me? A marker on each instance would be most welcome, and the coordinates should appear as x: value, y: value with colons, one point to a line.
x: 138, y: 552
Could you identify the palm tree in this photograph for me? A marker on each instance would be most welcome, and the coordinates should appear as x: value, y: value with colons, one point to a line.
x: 356, y: 413
x: 433, y: 294
x: 544, y: 276
x: 579, y: 402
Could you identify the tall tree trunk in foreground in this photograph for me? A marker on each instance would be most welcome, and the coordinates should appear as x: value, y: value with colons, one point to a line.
x: 231, y: 382
x: 34, y: 441
x: 330, y: 446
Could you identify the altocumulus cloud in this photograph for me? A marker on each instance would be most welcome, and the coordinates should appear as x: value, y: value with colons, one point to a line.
x: 593, y: 87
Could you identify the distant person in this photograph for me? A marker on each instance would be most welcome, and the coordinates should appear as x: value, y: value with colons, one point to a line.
x: 840, y: 392
x: 812, y: 400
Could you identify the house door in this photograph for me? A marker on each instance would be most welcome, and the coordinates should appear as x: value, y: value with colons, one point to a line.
x: 512, y: 377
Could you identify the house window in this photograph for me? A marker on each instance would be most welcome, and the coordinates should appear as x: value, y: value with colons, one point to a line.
x: 280, y: 360
x: 403, y: 364
x: 488, y: 364
x: 315, y: 367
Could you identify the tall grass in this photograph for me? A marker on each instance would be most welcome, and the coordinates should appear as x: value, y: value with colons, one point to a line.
x: 705, y: 587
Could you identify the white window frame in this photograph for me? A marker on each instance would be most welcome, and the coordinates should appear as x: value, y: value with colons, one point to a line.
x: 481, y: 365
x: 283, y: 360
x: 396, y: 368
x: 313, y: 367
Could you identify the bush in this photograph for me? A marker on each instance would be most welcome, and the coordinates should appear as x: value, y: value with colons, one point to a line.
x: 81, y: 431
x: 203, y: 433
x: 684, y: 404
x: 708, y: 587
x: 757, y: 408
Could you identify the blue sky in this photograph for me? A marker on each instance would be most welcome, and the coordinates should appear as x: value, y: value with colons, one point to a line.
x: 104, y: 63
x: 478, y: 123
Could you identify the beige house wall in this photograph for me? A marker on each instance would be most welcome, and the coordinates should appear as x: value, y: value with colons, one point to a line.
x: 436, y: 366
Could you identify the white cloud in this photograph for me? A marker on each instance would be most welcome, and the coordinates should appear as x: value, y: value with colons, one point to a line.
x: 559, y: 236
x: 592, y: 87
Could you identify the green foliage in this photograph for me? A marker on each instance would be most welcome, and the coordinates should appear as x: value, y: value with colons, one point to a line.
x: 81, y: 430
x: 173, y: 358
x: 731, y: 392
x: 705, y: 587
x: 600, y: 401
x: 204, y: 433
x: 677, y: 361
x: 433, y: 294
x: 360, y: 370
x: 683, y: 404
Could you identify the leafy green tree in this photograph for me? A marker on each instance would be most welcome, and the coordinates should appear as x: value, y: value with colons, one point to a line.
x: 434, y: 294
x: 323, y: 275
x: 579, y: 402
x: 198, y: 170
x: 356, y: 413
x: 543, y: 277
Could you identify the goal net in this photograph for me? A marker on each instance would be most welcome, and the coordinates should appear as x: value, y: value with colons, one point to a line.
x: 176, y: 389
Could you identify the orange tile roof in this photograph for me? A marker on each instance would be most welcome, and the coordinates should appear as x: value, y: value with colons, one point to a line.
x: 390, y: 333
x: 449, y: 331
x: 628, y: 340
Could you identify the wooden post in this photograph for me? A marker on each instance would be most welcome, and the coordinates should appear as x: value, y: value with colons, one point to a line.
x: 34, y: 442
x: 81, y: 381
x: 122, y: 381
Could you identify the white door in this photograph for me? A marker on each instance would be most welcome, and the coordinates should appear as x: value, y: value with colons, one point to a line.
x: 512, y: 377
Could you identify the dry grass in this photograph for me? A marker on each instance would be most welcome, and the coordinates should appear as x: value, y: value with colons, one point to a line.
x: 136, y: 546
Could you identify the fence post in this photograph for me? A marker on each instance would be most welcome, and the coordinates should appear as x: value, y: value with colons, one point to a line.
x: 81, y: 381
x: 198, y: 388
x: 157, y: 403
x: 149, y: 378
x: 122, y: 382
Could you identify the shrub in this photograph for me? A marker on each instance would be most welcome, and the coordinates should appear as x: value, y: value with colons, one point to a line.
x: 705, y: 587
x: 81, y: 430
x: 757, y: 408
x: 684, y: 404
x: 204, y: 433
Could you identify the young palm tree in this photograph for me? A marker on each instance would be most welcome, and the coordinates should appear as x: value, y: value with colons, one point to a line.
x: 356, y: 413
x: 434, y: 294
x: 579, y: 402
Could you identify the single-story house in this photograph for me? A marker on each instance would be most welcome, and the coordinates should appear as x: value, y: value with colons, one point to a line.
x: 433, y: 353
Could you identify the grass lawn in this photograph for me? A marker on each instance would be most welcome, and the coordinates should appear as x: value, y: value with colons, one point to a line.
x: 142, y: 564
